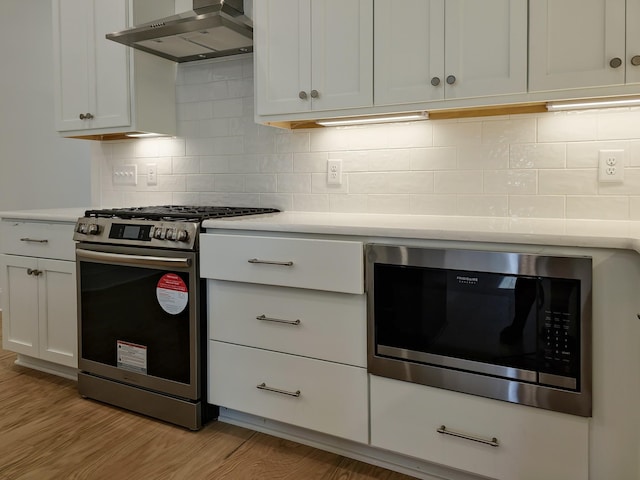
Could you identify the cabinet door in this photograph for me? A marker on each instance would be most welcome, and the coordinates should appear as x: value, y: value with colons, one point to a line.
x: 409, y: 51
x: 341, y: 54
x: 20, y: 304
x: 485, y: 47
x: 57, y: 312
x: 572, y: 43
x: 282, y: 60
x: 633, y: 41
x: 91, y: 73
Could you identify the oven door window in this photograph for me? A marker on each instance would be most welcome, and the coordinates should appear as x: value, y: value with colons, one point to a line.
x: 127, y: 324
x: 483, y: 317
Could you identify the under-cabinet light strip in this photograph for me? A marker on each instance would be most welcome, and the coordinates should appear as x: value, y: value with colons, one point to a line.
x: 586, y: 104
x: 377, y: 119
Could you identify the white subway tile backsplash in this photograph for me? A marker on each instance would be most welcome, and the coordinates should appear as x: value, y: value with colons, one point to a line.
x: 598, y: 207
x: 538, y: 155
x: 570, y: 182
x: 509, y: 131
x: 537, y: 206
x: 483, y: 156
x: 576, y: 126
x: 458, y: 182
x: 517, y: 182
x: 294, y: 183
x: 457, y: 133
x: 534, y: 165
x: 391, y: 182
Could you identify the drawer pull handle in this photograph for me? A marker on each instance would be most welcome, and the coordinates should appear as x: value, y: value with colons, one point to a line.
x: 31, y: 271
x: 493, y: 442
x: 33, y: 240
x: 263, y: 386
x: 270, y: 262
x: 264, y: 318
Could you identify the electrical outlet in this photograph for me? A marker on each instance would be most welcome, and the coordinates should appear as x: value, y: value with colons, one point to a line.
x: 125, y: 175
x: 334, y: 172
x: 611, y: 166
x: 152, y: 174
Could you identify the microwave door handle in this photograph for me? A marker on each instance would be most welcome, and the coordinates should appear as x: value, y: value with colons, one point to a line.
x: 139, y: 260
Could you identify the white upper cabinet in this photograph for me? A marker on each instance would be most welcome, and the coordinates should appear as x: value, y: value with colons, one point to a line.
x: 313, y: 55
x: 583, y: 43
x: 103, y: 87
x: 428, y: 50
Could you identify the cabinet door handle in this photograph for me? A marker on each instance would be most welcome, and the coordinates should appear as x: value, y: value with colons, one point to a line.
x: 86, y: 116
x: 264, y: 318
x: 270, y: 262
x: 615, y: 62
x: 263, y: 386
x: 435, y: 81
x: 635, y: 60
x: 33, y: 240
x: 451, y: 79
x: 32, y: 271
x: 492, y: 442
x: 314, y: 94
x: 302, y: 95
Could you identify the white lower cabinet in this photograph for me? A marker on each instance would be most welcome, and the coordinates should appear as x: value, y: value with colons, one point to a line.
x: 533, y: 444
x: 39, y: 317
x: 323, y: 396
x: 38, y: 280
x: 287, y: 330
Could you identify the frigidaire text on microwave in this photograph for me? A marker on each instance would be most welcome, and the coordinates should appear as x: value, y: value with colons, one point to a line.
x: 509, y: 326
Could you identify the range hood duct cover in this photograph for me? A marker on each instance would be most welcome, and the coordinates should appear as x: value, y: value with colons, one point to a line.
x: 214, y: 28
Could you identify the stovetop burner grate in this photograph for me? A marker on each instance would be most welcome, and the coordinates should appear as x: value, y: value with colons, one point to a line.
x: 177, y: 212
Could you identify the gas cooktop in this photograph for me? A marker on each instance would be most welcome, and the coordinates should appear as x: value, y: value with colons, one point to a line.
x: 185, y: 213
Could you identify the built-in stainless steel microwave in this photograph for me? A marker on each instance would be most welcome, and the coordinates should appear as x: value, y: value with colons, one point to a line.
x: 508, y: 326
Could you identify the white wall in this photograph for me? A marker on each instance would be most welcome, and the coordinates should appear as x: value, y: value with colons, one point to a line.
x: 37, y: 168
x: 536, y: 165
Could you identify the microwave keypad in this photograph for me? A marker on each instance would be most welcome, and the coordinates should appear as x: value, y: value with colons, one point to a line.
x: 557, y: 329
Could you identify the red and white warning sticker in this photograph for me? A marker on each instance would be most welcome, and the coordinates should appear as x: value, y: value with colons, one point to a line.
x: 172, y: 293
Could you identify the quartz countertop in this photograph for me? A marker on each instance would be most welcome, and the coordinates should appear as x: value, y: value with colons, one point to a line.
x: 532, y: 231
x: 67, y: 215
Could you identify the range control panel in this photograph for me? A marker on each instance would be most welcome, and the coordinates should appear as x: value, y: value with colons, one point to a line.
x: 145, y: 233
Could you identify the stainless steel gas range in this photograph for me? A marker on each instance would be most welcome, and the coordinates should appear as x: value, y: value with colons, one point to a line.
x: 142, y: 309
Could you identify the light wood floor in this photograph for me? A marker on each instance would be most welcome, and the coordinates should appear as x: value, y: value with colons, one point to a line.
x: 47, y: 431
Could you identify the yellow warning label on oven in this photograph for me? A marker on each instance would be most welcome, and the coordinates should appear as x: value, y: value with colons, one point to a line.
x: 131, y: 356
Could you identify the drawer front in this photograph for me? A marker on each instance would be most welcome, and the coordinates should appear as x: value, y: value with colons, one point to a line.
x: 333, y: 398
x: 533, y: 443
x: 324, y: 325
x: 44, y: 240
x: 330, y: 265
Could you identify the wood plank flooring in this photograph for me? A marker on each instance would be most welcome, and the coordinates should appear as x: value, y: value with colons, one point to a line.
x: 47, y: 431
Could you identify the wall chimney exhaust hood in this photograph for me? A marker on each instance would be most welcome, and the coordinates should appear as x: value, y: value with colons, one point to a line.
x: 214, y: 28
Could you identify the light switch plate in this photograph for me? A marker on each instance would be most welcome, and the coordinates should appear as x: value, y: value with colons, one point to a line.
x: 125, y: 175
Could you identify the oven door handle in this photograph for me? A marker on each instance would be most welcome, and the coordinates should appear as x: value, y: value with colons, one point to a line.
x: 141, y: 260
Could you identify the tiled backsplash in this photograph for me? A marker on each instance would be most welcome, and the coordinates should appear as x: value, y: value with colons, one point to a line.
x: 536, y: 165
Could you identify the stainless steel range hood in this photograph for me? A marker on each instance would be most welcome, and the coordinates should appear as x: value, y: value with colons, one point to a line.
x: 214, y: 28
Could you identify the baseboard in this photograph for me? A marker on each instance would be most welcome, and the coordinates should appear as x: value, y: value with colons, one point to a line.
x: 47, y: 367
x: 357, y: 451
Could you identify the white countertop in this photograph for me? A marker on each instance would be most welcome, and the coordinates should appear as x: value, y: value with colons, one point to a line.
x: 69, y: 215
x: 531, y: 231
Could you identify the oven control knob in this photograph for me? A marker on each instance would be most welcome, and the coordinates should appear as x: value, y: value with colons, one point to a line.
x: 171, y: 234
x: 82, y: 228
x: 182, y: 236
x: 93, y: 229
x: 158, y: 233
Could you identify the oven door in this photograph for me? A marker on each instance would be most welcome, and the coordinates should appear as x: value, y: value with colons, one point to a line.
x: 138, y: 317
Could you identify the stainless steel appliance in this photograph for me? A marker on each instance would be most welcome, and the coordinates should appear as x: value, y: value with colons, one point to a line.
x: 213, y: 28
x: 142, y: 310
x: 509, y: 326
